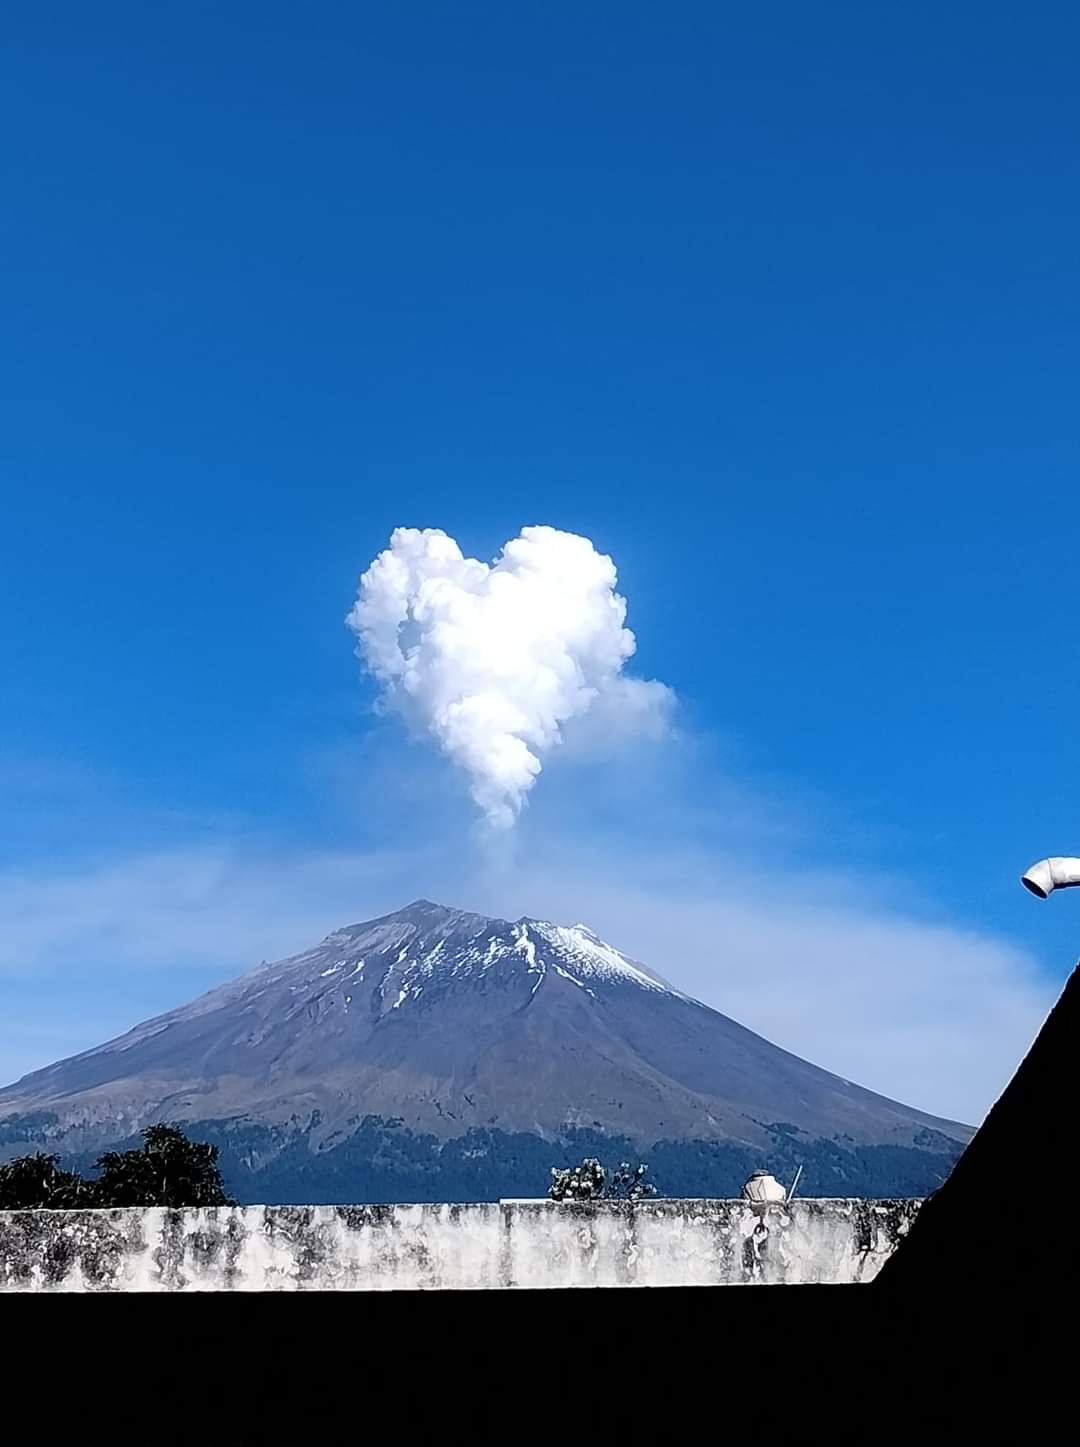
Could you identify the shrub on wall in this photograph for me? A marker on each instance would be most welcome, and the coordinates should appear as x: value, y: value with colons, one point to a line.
x: 590, y: 1182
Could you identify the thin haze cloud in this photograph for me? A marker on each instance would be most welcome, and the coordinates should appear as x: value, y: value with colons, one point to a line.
x: 492, y: 660
x: 927, y: 1013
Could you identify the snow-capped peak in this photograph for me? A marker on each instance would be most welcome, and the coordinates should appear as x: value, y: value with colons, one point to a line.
x: 425, y: 949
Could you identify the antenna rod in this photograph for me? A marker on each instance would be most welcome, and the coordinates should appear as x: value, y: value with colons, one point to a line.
x: 794, y: 1183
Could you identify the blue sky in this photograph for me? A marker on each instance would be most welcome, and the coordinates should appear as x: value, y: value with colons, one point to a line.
x: 779, y: 309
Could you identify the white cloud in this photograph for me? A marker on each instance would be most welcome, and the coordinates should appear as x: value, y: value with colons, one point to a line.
x: 491, y: 661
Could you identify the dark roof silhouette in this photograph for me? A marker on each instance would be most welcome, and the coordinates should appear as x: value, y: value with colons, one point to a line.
x: 999, y: 1229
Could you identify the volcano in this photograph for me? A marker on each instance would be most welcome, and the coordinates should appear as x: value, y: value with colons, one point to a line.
x: 471, y: 1039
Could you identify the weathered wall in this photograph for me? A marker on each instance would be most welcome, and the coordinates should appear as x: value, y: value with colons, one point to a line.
x: 504, y: 1244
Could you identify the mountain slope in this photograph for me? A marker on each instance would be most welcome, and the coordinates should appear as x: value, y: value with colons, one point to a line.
x: 445, y: 1022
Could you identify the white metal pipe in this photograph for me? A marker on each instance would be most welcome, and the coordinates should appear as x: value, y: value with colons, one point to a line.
x: 1050, y: 874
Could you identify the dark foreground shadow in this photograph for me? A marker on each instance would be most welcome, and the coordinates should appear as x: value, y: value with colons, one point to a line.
x: 797, y: 1364
x: 967, y: 1335
x: 1002, y: 1229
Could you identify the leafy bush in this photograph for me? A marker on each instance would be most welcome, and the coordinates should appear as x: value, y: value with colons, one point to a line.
x: 629, y: 1184
x: 589, y: 1182
x: 578, y: 1183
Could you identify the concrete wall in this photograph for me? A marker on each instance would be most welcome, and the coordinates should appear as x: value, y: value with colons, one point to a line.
x: 504, y: 1244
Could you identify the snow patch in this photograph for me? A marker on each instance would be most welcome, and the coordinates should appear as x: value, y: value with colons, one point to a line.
x: 568, y: 976
x: 589, y: 956
x: 523, y: 944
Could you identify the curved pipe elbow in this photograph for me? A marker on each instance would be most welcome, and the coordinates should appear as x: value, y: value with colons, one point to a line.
x: 1059, y: 872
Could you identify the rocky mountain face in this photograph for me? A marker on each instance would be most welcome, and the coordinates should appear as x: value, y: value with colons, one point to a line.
x: 464, y: 1033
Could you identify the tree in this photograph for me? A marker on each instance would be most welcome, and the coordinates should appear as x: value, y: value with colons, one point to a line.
x: 589, y: 1182
x: 169, y: 1170
x: 36, y: 1182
